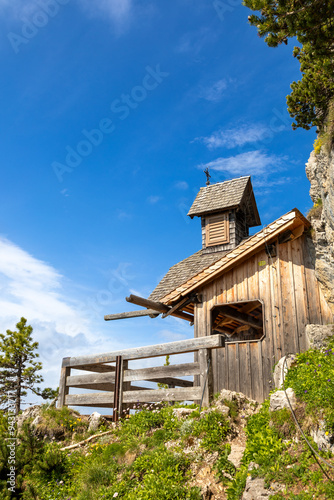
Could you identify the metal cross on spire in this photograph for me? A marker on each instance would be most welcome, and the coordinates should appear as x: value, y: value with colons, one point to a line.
x: 208, y: 176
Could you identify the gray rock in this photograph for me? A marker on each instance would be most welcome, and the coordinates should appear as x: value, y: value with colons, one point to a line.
x: 324, y: 441
x: 316, y: 335
x: 278, y: 400
x: 236, y: 454
x: 238, y: 397
x: 223, y: 409
x: 278, y: 376
x: 182, y: 412
x: 95, y: 420
x: 320, y: 172
x: 37, y: 420
x: 30, y: 413
x: 255, y: 489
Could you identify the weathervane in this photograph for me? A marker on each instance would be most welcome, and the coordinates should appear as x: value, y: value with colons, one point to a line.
x: 208, y: 176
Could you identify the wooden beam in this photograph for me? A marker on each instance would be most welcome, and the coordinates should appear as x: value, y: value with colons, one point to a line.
x: 178, y: 347
x: 157, y: 306
x: 63, y: 389
x: 106, y: 400
x: 96, y: 368
x: 243, y: 318
x: 206, y: 376
x: 117, y: 391
x: 158, y: 372
x: 131, y: 314
x: 177, y: 306
x: 182, y: 394
x: 162, y: 374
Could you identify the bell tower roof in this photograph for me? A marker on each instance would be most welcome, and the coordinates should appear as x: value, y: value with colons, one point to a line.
x: 233, y: 194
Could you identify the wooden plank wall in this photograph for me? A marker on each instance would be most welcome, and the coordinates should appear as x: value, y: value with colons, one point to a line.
x: 292, y: 298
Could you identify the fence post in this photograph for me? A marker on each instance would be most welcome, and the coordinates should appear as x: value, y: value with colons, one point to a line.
x: 118, y: 386
x: 63, y: 389
x: 124, y: 386
x: 206, y: 375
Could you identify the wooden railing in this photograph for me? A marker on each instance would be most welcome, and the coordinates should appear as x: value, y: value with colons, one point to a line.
x: 110, y: 373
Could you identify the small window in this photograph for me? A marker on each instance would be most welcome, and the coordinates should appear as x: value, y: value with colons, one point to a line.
x: 238, y: 321
x: 217, y: 229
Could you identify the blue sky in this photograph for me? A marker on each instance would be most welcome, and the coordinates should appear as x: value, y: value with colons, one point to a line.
x: 110, y: 111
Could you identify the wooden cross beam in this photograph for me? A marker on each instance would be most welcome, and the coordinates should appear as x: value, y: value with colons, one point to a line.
x: 157, y: 306
x: 132, y: 314
x: 243, y: 318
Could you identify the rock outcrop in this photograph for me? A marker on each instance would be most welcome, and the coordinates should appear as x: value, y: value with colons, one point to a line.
x: 278, y: 400
x: 320, y: 172
x: 317, y: 335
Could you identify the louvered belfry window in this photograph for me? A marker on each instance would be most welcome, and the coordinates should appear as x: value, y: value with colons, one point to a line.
x: 217, y: 229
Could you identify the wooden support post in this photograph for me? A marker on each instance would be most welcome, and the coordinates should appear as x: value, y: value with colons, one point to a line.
x: 206, y: 376
x: 125, y: 387
x: 118, y: 385
x: 63, y: 388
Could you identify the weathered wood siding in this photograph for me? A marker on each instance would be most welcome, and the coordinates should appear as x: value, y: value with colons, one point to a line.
x: 291, y: 297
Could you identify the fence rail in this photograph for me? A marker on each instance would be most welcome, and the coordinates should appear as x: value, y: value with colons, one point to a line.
x: 116, y: 380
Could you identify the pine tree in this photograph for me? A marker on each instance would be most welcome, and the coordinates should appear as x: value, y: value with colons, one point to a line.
x: 18, y: 368
x: 312, y: 23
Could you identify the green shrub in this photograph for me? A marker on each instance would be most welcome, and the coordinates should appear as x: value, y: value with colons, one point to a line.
x: 312, y: 379
x: 212, y: 429
x: 223, y: 466
x: 283, y: 423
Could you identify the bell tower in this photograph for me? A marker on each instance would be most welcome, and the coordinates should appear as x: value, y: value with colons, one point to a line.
x: 227, y: 210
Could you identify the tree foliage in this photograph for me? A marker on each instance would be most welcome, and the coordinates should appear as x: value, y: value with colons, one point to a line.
x: 312, y: 23
x: 18, y: 366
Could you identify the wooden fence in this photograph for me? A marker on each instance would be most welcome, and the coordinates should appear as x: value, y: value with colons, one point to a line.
x: 110, y: 373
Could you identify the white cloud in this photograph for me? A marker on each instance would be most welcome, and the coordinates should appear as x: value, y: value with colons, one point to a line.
x: 171, y: 336
x: 234, y: 137
x: 153, y: 199
x: 183, y: 185
x: 18, y: 8
x: 255, y: 163
x: 215, y: 92
x: 266, y: 184
x: 118, y: 11
x: 192, y: 42
x: 122, y: 214
x: 35, y: 290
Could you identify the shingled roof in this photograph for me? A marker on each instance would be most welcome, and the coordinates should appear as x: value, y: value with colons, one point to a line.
x: 179, y: 285
x: 227, y: 195
x: 184, y: 270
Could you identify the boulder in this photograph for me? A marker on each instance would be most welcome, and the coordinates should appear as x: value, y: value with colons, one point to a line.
x: 323, y: 439
x: 30, y: 413
x: 236, y: 454
x: 180, y: 413
x: 278, y: 376
x: 278, y: 400
x: 238, y: 397
x: 255, y: 489
x: 95, y: 420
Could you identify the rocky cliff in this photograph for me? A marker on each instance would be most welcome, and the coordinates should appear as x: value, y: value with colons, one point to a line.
x: 320, y: 172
